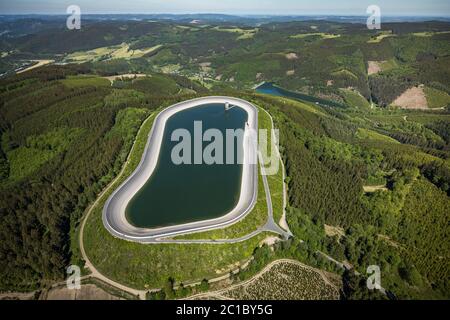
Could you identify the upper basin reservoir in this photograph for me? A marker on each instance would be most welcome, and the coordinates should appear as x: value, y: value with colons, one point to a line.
x: 177, y: 194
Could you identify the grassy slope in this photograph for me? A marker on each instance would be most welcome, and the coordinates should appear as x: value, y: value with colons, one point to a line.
x: 318, y: 34
x: 288, y: 281
x: 114, y: 52
x: 436, y: 98
x: 354, y: 99
x: 81, y: 81
x: 156, y: 84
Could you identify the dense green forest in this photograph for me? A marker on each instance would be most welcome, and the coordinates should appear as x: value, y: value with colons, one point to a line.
x: 313, y: 57
x: 378, y: 173
x: 60, y: 145
x: 402, y: 227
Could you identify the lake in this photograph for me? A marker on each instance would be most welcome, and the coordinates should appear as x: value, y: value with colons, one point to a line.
x: 177, y: 194
x: 272, y: 89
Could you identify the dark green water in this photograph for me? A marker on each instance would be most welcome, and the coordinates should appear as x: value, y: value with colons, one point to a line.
x: 270, y: 88
x: 177, y: 194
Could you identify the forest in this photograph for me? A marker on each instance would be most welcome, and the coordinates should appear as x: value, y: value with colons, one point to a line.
x: 378, y: 173
x: 60, y: 145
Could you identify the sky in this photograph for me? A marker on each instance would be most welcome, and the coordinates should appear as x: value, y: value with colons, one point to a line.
x: 243, y: 7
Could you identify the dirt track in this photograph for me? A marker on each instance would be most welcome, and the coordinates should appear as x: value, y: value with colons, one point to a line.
x: 413, y: 98
x: 39, y: 63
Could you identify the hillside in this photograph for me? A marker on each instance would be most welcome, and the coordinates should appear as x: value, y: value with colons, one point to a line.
x: 363, y: 159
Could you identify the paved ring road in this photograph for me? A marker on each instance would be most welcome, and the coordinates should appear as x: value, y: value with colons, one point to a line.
x: 113, y: 216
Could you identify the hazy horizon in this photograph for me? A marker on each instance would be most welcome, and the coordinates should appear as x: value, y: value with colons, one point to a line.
x: 411, y: 8
x: 227, y: 14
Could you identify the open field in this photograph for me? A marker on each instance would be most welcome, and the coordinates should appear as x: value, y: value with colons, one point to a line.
x: 372, y: 135
x: 429, y: 33
x: 413, y: 98
x: 26, y: 160
x: 121, y: 51
x: 344, y: 73
x: 381, y: 36
x: 243, y: 33
x: 371, y: 189
x: 125, y: 76
x: 81, y: 81
x: 355, y: 99
x: 332, y: 231
x: 258, y: 216
x: 375, y: 67
x: 321, y: 35
x: 436, y: 99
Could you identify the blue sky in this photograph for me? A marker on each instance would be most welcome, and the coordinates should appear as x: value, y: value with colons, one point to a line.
x: 278, y: 7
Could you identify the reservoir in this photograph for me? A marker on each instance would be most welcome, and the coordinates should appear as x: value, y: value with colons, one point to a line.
x: 183, y: 193
x: 272, y: 89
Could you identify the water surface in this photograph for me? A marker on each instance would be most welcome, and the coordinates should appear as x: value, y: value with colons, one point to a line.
x: 270, y: 88
x: 177, y: 194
